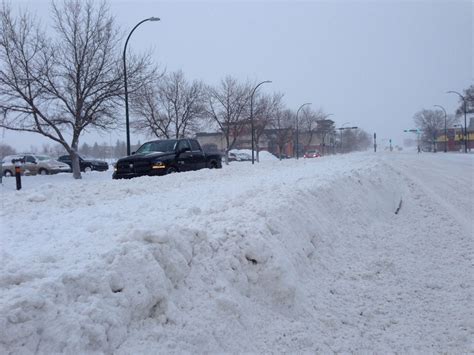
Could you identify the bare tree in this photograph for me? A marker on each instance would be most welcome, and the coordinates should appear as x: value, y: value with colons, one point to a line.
x: 356, y: 139
x: 149, y: 114
x: 171, y: 108
x: 309, y: 122
x: 265, y: 108
x: 430, y: 122
x: 60, y: 86
x: 5, y: 150
x: 227, y: 105
x: 469, y: 97
x: 282, y: 126
x: 324, y: 127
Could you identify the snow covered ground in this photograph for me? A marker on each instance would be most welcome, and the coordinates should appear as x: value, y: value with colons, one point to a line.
x: 290, y: 256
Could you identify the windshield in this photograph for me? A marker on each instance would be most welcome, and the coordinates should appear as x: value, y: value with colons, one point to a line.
x: 42, y: 157
x: 157, y: 146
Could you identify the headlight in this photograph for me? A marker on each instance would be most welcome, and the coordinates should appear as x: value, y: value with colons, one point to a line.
x: 158, y: 165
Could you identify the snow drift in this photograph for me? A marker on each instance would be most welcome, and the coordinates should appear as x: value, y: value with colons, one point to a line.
x: 246, y: 260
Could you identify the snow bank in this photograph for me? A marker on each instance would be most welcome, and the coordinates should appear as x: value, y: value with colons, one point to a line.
x: 247, y: 260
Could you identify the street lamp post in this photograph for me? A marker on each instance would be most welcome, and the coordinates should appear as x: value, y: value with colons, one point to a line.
x: 465, y: 119
x: 251, y: 115
x: 445, y: 128
x: 127, y: 122
x: 298, y: 129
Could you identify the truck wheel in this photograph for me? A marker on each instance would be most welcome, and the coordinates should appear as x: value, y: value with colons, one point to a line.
x: 212, y: 165
x: 171, y: 170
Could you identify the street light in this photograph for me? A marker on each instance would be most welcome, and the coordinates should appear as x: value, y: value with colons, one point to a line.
x: 298, y: 129
x: 127, y: 122
x: 251, y: 115
x: 465, y: 120
x: 445, y: 128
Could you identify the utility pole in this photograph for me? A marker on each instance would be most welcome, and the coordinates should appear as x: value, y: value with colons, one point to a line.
x: 375, y: 142
x: 345, y: 128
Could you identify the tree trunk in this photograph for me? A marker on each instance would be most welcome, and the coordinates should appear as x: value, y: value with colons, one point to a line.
x: 257, y: 151
x: 226, y: 157
x: 76, y: 167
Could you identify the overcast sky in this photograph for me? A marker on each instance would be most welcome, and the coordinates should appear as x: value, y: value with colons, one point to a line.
x: 373, y: 64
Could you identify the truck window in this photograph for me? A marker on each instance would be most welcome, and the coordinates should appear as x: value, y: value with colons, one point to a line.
x: 183, y: 144
x: 194, y: 145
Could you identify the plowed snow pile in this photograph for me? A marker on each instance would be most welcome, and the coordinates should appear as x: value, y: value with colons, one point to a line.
x: 287, y: 256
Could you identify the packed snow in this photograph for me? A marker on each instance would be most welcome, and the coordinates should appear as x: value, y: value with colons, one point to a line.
x: 282, y: 256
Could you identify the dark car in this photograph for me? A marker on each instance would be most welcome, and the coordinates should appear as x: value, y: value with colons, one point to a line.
x: 168, y: 156
x: 86, y: 165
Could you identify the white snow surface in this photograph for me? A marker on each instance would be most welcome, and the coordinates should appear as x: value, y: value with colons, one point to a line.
x: 290, y: 256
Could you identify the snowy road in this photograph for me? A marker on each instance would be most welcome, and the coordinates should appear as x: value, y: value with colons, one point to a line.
x: 281, y: 257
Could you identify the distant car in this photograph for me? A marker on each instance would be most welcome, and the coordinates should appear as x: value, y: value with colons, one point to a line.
x: 85, y: 164
x: 312, y: 154
x: 283, y: 156
x: 234, y: 156
x: 33, y: 164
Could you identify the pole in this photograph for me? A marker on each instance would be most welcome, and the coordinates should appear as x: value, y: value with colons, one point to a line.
x: 297, y: 128
x: 445, y: 128
x: 341, y: 139
x: 465, y: 117
x: 375, y: 142
x: 127, y: 120
x: 343, y: 128
x: 466, y: 137
x: 251, y: 116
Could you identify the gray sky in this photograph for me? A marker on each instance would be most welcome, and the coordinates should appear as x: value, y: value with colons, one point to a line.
x: 373, y: 64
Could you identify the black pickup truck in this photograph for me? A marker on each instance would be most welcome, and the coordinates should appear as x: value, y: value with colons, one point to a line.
x: 168, y: 156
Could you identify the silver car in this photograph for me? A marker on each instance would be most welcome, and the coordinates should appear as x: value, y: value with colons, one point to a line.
x: 33, y: 164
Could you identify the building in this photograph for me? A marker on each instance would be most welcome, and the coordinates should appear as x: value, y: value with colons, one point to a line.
x: 454, y: 139
x: 215, y: 141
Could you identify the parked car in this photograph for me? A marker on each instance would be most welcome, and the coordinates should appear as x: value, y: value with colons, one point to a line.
x: 312, y: 154
x: 85, y: 164
x: 234, y: 156
x: 33, y: 164
x: 168, y: 156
